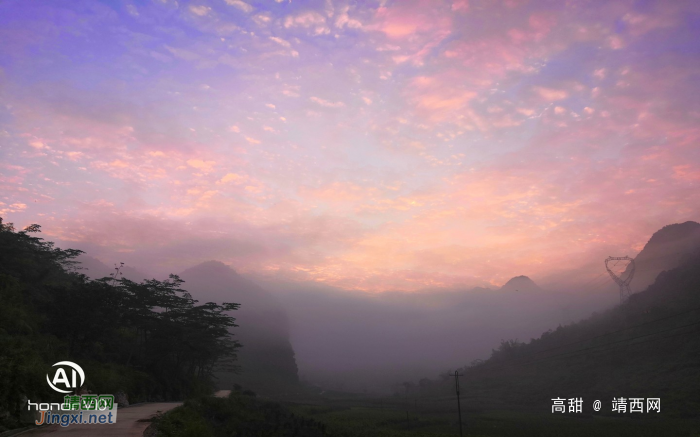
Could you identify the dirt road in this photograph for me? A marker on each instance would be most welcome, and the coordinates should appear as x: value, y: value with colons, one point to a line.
x: 127, y: 424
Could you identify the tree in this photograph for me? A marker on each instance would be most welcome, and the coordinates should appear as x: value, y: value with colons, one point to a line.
x: 149, y: 336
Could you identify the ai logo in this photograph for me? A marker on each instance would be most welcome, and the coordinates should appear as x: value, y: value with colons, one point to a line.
x: 60, y: 377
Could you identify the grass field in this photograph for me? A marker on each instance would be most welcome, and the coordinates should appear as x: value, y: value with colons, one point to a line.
x: 348, y: 415
x: 389, y: 417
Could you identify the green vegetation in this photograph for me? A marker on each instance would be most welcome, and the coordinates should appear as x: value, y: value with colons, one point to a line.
x: 371, y: 421
x: 152, y: 340
x: 377, y: 421
x: 149, y: 339
x: 649, y: 347
x: 240, y: 414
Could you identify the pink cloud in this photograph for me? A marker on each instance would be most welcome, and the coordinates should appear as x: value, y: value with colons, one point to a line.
x: 406, y: 19
x: 205, y: 166
x: 200, y: 10
x: 343, y: 19
x: 243, y: 6
x: 460, y: 5
x: 309, y: 20
x: 686, y: 173
x: 551, y: 94
x: 327, y: 103
x: 402, y: 146
x: 436, y: 99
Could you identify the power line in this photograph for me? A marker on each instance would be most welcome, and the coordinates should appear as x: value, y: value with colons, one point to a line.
x: 616, y: 332
x: 580, y: 351
x: 594, y: 279
x: 496, y: 365
x: 657, y: 335
x: 521, y: 358
x: 481, y: 398
x: 655, y: 258
x: 606, y: 281
x: 616, y: 342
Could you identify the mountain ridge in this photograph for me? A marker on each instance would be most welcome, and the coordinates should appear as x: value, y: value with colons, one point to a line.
x: 267, y: 359
x: 520, y: 283
x: 666, y: 249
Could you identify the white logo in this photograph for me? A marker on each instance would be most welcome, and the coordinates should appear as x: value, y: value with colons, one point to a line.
x: 60, y: 377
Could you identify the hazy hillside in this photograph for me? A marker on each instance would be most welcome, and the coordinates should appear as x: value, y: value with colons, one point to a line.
x: 649, y: 347
x: 266, y: 358
x: 521, y: 284
x: 96, y: 269
x: 357, y: 341
x: 666, y: 249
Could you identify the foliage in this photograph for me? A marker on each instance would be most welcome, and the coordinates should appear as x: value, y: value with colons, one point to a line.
x: 647, y: 347
x: 508, y: 349
x: 237, y: 415
x: 370, y: 421
x: 149, y: 339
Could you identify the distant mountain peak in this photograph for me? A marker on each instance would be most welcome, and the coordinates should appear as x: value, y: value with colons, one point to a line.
x: 263, y: 325
x: 673, y: 233
x: 93, y: 268
x: 665, y: 250
x: 213, y: 266
x: 520, y: 283
x: 222, y: 283
x: 520, y: 278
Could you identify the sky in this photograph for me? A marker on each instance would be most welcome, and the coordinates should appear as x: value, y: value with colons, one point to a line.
x: 379, y: 145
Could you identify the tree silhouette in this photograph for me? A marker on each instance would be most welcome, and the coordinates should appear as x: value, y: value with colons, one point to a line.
x: 149, y: 338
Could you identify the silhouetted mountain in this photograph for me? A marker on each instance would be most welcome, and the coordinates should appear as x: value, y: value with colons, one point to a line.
x: 521, y: 284
x: 648, y: 346
x: 266, y: 358
x: 666, y: 249
x: 215, y: 281
x: 93, y: 268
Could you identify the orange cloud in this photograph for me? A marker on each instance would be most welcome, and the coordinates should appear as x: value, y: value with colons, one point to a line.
x: 205, y: 166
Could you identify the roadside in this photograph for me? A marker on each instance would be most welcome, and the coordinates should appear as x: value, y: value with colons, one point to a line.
x: 131, y: 422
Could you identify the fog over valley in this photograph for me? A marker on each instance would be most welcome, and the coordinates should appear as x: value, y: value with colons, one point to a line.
x: 364, y: 341
x: 335, y: 218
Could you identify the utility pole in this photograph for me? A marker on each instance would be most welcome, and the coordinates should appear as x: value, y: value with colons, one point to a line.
x: 408, y: 423
x: 459, y: 407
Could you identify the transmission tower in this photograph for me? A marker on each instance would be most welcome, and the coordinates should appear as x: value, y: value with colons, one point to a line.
x: 624, y: 284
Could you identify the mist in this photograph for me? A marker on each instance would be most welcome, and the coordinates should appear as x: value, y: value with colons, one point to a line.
x: 353, y: 340
x: 357, y: 341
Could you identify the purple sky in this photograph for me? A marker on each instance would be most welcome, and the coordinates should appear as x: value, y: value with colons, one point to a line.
x: 366, y: 145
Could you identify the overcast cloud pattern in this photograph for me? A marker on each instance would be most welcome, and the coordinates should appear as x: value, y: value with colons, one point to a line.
x: 366, y: 145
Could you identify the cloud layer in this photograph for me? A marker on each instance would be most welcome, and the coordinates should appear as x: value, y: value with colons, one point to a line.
x: 388, y: 145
